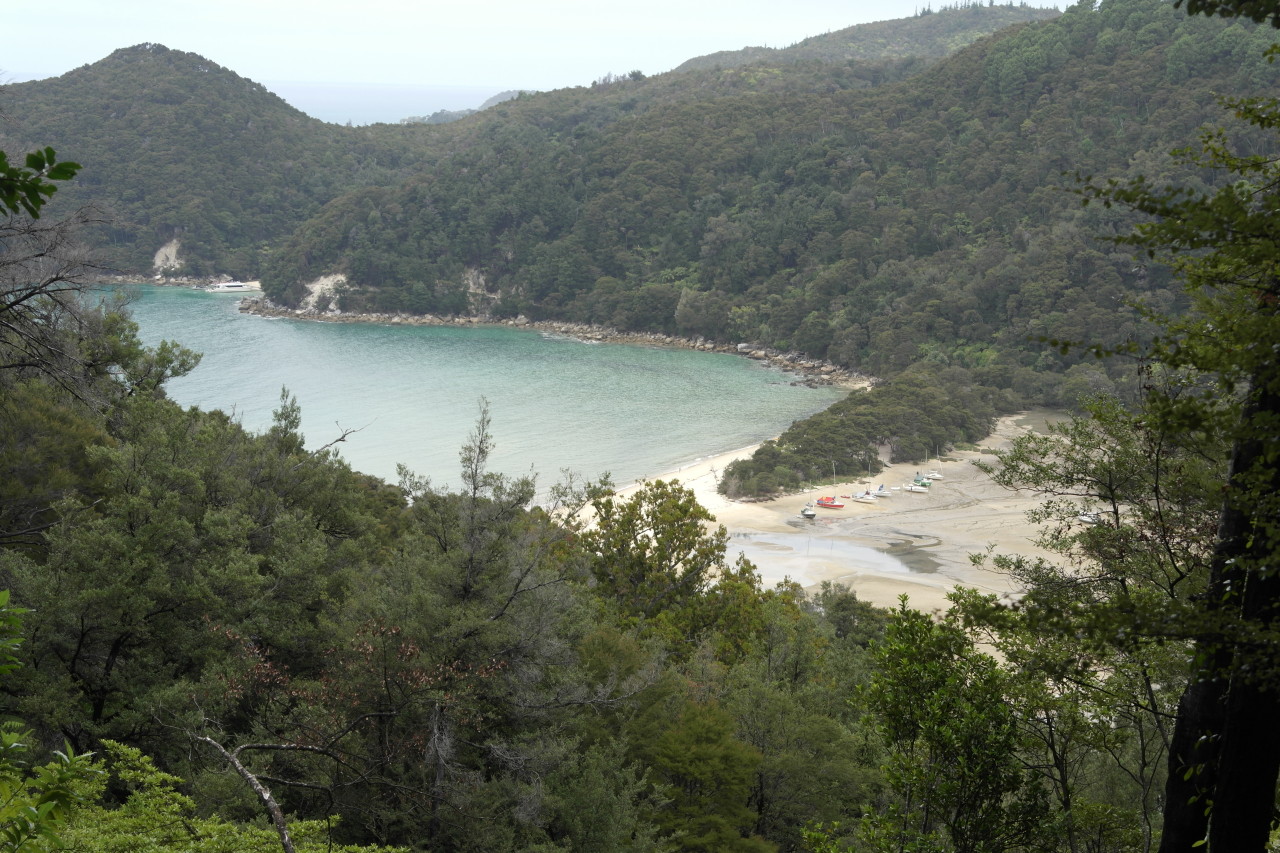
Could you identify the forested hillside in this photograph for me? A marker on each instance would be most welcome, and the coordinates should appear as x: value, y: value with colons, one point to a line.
x: 187, y: 149
x: 926, y: 220
x: 878, y: 214
x: 927, y: 34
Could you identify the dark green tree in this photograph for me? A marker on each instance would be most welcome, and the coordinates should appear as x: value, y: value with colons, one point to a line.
x: 27, y: 188
x: 654, y: 559
x: 1262, y: 11
x: 35, y: 802
x: 1225, y: 244
x: 197, y: 525
x: 943, y: 709
x: 708, y: 774
x: 652, y: 555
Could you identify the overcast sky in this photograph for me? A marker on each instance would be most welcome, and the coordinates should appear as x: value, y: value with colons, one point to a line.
x: 500, y: 44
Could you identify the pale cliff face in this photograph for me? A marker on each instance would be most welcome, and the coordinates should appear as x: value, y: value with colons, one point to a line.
x: 322, y: 293
x: 167, y: 257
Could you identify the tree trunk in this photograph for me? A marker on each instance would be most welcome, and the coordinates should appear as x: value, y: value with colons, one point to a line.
x: 1249, y: 759
x: 1193, y: 756
x: 1226, y: 744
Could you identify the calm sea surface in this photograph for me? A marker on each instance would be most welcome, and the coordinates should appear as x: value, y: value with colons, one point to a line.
x: 414, y: 392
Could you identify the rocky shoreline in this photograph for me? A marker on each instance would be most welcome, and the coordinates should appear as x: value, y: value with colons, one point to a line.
x: 809, y: 371
x: 194, y: 282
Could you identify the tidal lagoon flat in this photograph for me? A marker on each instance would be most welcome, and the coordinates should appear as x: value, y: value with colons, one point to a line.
x: 413, y: 393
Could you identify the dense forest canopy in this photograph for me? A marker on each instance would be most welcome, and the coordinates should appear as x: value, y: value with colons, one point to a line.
x: 190, y: 150
x: 929, y: 34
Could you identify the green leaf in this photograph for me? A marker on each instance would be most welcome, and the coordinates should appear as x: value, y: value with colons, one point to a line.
x: 63, y: 171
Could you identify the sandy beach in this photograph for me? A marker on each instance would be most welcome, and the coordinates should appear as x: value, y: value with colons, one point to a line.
x: 917, y: 544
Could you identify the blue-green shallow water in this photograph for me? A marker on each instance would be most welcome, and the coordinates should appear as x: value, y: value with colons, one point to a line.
x: 414, y: 392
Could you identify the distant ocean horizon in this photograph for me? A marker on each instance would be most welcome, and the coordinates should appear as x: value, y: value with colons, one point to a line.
x: 357, y: 103
x: 373, y: 103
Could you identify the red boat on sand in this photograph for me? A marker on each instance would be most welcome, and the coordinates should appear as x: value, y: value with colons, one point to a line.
x: 829, y: 503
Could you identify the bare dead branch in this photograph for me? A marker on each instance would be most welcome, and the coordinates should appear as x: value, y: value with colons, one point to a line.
x: 263, y: 792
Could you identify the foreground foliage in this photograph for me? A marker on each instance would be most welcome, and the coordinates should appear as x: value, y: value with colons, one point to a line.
x: 1227, y: 248
x: 26, y: 188
x: 155, y: 816
x: 35, y: 801
x: 471, y: 671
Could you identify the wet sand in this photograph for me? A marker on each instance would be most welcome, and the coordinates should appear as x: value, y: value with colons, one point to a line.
x: 910, y: 543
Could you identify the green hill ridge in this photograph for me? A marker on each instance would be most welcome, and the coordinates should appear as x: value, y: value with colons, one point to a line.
x: 927, y: 34
x: 183, y: 148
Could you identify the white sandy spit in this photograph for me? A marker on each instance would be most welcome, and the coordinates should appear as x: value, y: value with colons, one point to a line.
x: 917, y: 544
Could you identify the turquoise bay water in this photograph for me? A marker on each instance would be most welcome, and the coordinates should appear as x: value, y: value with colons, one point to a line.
x: 414, y: 392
